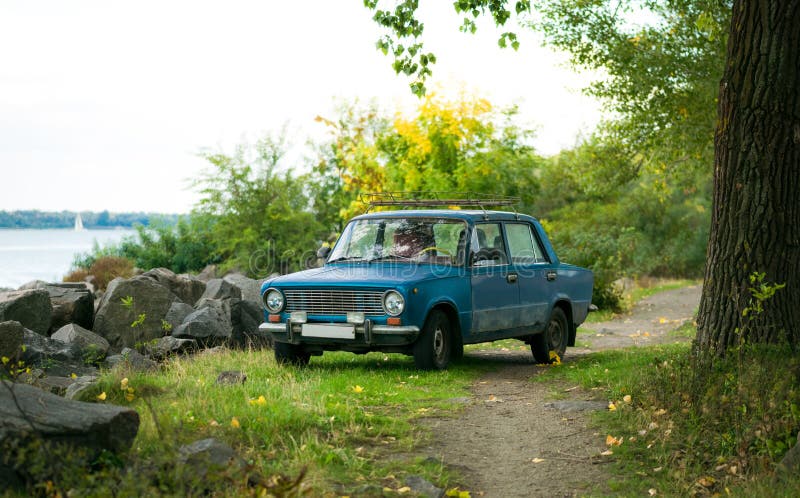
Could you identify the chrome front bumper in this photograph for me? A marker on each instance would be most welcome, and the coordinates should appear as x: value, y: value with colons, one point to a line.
x: 292, y: 332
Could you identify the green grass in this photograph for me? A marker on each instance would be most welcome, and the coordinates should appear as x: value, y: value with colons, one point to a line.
x: 337, y: 420
x: 693, y: 428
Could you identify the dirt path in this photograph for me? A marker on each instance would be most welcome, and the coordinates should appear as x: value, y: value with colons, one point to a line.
x: 514, y: 440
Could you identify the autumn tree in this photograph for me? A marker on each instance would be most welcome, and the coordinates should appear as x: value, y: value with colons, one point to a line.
x: 751, y: 292
x: 458, y: 144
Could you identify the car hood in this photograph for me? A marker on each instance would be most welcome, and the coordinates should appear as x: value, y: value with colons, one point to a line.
x: 364, y: 275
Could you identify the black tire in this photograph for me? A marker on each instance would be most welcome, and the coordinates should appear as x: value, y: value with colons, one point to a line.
x: 553, y: 338
x: 291, y: 354
x: 434, y: 346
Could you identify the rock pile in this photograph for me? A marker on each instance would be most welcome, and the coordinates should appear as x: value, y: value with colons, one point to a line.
x: 54, y: 342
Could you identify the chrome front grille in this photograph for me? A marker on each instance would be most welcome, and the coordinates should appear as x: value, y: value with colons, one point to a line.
x: 334, y: 302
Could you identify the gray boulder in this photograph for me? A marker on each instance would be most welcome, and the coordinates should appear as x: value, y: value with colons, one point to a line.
x: 43, y: 351
x: 218, y: 288
x: 54, y: 357
x: 54, y: 384
x: 30, y: 307
x: 210, y: 456
x: 231, y: 378
x: 73, y: 302
x: 170, y: 346
x: 423, y: 488
x: 27, y: 413
x: 249, y: 288
x: 132, y: 360
x: 132, y: 311
x: 177, y: 313
x: 208, y: 273
x: 82, y: 385
x: 92, y: 347
x: 209, y: 324
x: 187, y: 288
x: 11, y: 334
x: 246, y: 316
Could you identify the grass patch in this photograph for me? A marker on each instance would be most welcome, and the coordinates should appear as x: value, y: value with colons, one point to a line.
x: 694, y: 430
x: 336, y: 420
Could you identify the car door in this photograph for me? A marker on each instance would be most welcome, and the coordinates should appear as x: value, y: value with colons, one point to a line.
x: 535, y: 274
x: 495, y: 291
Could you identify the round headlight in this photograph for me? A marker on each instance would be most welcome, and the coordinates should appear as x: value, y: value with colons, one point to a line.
x: 273, y: 300
x: 393, y: 303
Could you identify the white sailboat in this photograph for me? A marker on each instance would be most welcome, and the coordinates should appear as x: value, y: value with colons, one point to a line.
x: 78, y: 223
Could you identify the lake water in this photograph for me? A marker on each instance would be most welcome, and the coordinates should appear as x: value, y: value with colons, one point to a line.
x: 46, y: 254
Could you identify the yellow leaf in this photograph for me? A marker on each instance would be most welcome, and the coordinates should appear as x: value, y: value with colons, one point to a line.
x: 627, y: 398
x: 102, y: 396
x: 73, y: 376
x: 358, y: 389
x: 612, y: 406
x: 260, y: 401
x: 652, y: 491
x: 613, y: 441
x: 124, y: 383
x: 235, y: 423
x: 129, y: 396
x: 607, y: 453
x: 706, y: 481
x: 5, y: 360
x: 662, y: 320
x: 403, y: 490
x: 537, y: 460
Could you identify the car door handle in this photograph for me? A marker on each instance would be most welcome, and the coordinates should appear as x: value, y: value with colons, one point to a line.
x: 511, y: 278
x: 551, y: 275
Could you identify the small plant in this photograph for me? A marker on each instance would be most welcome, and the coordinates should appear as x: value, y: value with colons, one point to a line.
x: 166, y: 326
x: 92, y: 355
x: 139, y: 320
x: 127, y: 301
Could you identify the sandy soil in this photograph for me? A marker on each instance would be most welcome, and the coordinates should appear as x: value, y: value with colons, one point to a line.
x: 518, y: 438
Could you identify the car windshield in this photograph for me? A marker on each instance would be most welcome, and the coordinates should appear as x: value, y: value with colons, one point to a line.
x: 417, y: 240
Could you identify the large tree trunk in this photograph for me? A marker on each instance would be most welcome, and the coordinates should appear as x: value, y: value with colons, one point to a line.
x: 756, y: 215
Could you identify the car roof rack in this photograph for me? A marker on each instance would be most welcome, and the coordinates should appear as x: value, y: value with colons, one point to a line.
x: 436, y: 199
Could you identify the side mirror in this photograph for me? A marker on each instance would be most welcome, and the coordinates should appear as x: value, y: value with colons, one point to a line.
x: 323, y: 252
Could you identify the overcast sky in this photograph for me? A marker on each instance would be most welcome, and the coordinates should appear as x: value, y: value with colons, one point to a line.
x: 105, y: 104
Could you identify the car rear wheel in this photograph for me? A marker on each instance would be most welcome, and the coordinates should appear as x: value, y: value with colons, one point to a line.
x: 434, y: 345
x: 554, y: 338
x: 292, y: 354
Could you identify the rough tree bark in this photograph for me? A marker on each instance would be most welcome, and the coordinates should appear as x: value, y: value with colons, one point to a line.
x: 756, y: 214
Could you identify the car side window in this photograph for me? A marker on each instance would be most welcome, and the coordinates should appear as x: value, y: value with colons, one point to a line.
x: 523, y: 245
x: 487, y: 246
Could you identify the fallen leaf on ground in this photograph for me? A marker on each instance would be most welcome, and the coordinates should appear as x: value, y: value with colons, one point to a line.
x: 613, y: 441
x: 537, y: 460
x: 607, y: 453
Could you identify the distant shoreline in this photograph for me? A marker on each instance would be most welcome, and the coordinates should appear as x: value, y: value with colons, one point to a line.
x: 103, y: 220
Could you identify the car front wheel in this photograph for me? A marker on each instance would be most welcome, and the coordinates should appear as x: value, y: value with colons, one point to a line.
x: 286, y: 353
x: 434, y: 345
x: 554, y: 338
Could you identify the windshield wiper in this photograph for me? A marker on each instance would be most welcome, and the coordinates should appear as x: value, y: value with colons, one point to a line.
x: 347, y: 258
x: 390, y: 257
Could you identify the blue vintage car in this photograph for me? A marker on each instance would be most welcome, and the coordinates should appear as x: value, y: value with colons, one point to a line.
x: 427, y: 282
